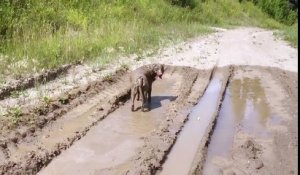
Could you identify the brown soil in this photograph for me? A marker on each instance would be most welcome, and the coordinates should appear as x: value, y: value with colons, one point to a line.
x: 272, y: 149
x: 31, y: 81
x: 35, y: 147
x: 84, y: 103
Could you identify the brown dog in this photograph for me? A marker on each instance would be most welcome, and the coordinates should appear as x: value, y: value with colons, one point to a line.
x: 142, y: 79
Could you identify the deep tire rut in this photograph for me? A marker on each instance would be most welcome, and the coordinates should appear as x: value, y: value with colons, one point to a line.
x: 200, y: 156
x: 32, y: 81
x: 42, y: 114
x: 157, y: 145
x: 98, y: 107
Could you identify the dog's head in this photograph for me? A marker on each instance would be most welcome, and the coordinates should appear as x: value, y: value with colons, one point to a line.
x: 159, y: 70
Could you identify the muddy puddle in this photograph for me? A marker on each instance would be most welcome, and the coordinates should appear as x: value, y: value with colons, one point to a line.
x: 182, y: 154
x: 108, y: 146
x: 244, y: 109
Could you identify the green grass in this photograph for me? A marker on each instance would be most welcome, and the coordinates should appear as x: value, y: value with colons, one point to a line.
x: 46, y: 34
x: 290, y: 33
x: 15, y: 114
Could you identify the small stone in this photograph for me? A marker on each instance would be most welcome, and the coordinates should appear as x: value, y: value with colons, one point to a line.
x: 258, y: 164
x: 32, y: 129
x: 3, y: 144
x: 14, y: 139
x: 229, y: 172
x: 23, y: 134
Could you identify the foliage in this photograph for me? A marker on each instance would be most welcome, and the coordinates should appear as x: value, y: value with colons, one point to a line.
x: 281, y: 10
x: 184, y: 3
x: 290, y: 33
x: 42, y: 34
x: 15, y: 113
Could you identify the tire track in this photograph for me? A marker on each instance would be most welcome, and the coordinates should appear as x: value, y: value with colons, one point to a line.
x: 26, y: 83
x: 157, y: 145
x: 200, y: 156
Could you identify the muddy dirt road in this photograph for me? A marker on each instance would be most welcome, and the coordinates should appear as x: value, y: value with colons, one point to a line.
x: 227, y: 104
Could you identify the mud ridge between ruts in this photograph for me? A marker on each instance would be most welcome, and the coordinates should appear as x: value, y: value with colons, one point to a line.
x: 35, y: 161
x: 158, y: 144
x: 28, y: 82
x: 44, y: 115
x: 200, y: 157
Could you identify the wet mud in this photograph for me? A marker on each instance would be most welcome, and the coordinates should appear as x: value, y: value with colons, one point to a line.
x: 191, y: 134
x: 250, y: 123
x: 242, y: 108
x: 110, y: 144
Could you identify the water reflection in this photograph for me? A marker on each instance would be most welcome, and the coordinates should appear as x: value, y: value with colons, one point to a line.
x: 244, y: 105
x: 245, y: 93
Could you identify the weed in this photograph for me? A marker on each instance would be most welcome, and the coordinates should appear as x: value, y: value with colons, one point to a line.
x: 15, y: 113
x: 124, y: 66
x: 47, y: 100
x: 15, y: 94
x: 63, y: 99
x: 138, y: 58
x: 65, y: 81
x: 108, y: 78
x: 18, y: 93
x: 290, y: 33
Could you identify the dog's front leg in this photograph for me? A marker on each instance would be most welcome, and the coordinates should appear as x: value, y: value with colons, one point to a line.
x: 149, y: 94
x: 133, y: 95
x: 143, y: 98
x: 138, y: 96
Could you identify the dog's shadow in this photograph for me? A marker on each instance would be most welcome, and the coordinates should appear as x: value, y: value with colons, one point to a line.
x: 156, y: 101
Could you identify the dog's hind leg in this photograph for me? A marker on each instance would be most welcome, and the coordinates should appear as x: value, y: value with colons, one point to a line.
x: 149, y: 94
x: 138, y: 95
x: 141, y: 92
x: 133, y: 95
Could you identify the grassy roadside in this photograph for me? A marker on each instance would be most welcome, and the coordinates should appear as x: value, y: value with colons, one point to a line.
x: 46, y: 34
x: 290, y: 34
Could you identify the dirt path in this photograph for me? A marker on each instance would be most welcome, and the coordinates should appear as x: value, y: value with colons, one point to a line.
x: 256, y: 126
x: 258, y: 75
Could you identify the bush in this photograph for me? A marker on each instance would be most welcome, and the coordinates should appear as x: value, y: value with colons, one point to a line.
x: 43, y: 34
x: 281, y: 10
x: 184, y: 3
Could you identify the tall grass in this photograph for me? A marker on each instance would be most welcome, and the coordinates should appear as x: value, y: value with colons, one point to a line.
x: 290, y: 33
x: 43, y: 34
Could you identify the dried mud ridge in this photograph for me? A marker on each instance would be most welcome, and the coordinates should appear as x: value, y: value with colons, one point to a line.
x: 35, y: 161
x: 113, y: 93
x: 42, y: 114
x: 29, y: 82
x: 45, y: 114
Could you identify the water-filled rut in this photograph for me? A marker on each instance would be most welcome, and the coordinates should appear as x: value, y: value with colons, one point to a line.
x: 192, y: 113
x: 194, y: 132
x: 109, y: 145
x: 189, y: 138
x: 244, y: 109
